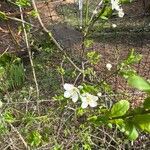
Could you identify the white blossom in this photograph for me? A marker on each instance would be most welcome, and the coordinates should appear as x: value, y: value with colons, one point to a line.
x: 99, y: 94
x: 71, y: 92
x: 95, y: 12
x: 88, y: 99
x: 116, y: 6
x: 114, y: 25
x: 109, y: 66
x: 120, y: 13
x: 80, y: 87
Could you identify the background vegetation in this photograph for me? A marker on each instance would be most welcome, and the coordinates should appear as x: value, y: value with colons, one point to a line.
x: 36, y: 114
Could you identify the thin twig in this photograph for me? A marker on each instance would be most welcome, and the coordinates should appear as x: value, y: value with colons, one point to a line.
x: 91, y: 22
x: 4, y: 51
x: 63, y: 123
x: 12, y: 146
x: 96, y: 9
x: 53, y: 39
x: 8, y: 146
x: 29, y: 53
x: 108, y: 135
x: 77, y: 78
x: 62, y: 77
x: 13, y: 37
x: 19, y: 20
x: 20, y: 136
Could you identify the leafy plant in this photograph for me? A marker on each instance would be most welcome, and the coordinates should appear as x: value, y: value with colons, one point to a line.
x: 93, y: 57
x: 2, y: 15
x: 8, y: 117
x: 120, y: 108
x: 11, y: 72
x: 34, y: 138
x: 139, y: 83
x: 23, y: 3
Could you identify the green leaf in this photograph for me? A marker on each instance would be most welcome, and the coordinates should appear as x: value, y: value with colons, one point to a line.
x: 130, y: 131
x: 80, y: 111
x: 98, y: 120
x: 142, y: 122
x: 127, y: 72
x: 3, y: 129
x: 8, y: 117
x: 33, y: 13
x: 89, y: 88
x: 88, y: 43
x: 23, y: 3
x: 93, y: 57
x: 3, y: 15
x: 146, y: 103
x: 119, y: 122
x: 120, y: 108
x: 107, y: 12
x: 139, y: 83
x: 34, y: 138
x: 104, y: 18
x: 132, y: 58
x: 110, y: 125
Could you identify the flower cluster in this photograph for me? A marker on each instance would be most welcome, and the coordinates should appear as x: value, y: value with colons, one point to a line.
x: 109, y: 66
x: 73, y: 92
x: 116, y: 6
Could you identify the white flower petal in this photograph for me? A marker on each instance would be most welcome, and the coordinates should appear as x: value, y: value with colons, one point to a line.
x: 99, y: 94
x: 95, y: 12
x: 68, y: 87
x: 83, y: 98
x: 120, y: 13
x: 95, y: 98
x: 75, y: 97
x: 88, y: 99
x: 80, y: 87
x: 67, y: 94
x: 115, y: 4
x: 109, y: 66
x: 114, y: 25
x: 93, y: 103
x: 84, y: 105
